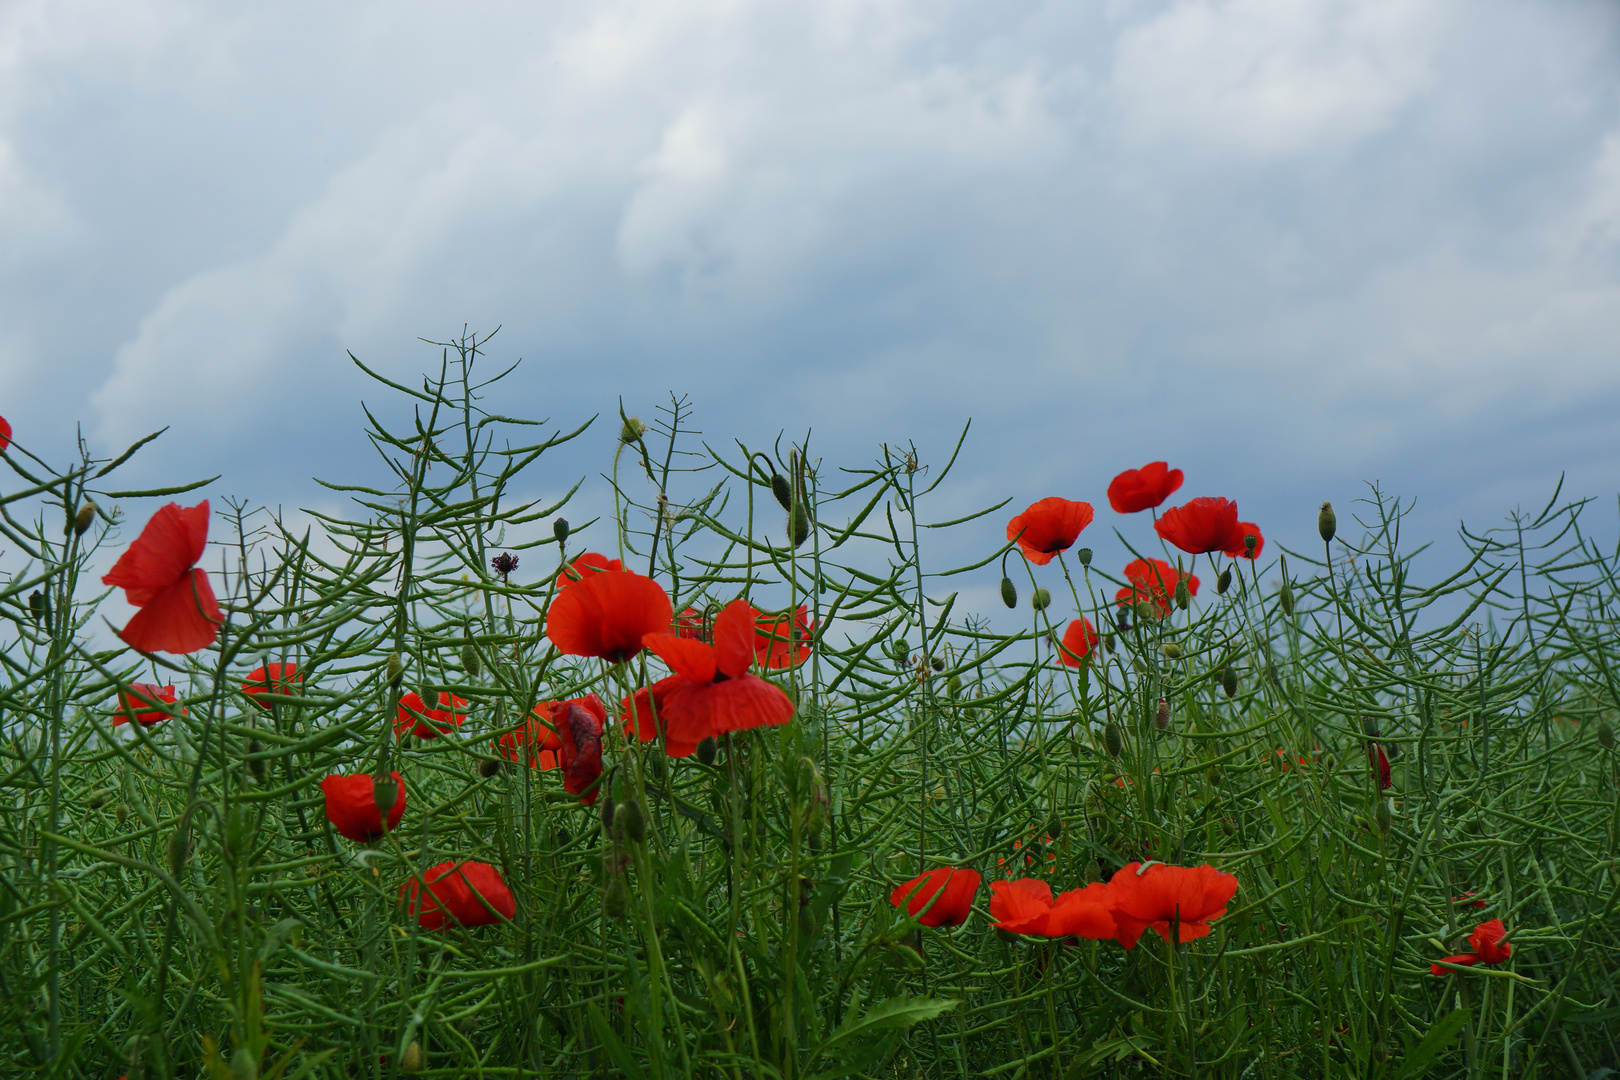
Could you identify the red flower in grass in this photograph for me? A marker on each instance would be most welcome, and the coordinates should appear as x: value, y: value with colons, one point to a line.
x: 579, y: 730
x: 781, y: 642
x: 1048, y: 527
x: 159, y: 575
x: 1153, y: 580
x: 1200, y: 526
x: 1376, y: 758
x: 1486, y: 941
x: 140, y: 703
x: 5, y: 433
x: 470, y: 893
x: 1026, y: 906
x: 1159, y: 894
x: 540, y: 738
x: 689, y: 624
x: 1468, y: 899
x: 941, y: 897
x: 415, y: 718
x: 1238, y: 548
x: 713, y: 692
x: 584, y: 565
x: 1078, y: 641
x: 607, y: 614
x: 1135, y: 490
x: 272, y: 680
x: 351, y: 806
x: 642, y: 712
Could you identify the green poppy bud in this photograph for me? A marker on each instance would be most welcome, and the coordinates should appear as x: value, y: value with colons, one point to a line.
x: 708, y: 750
x: 607, y: 810
x: 413, y: 1061
x: 256, y: 765
x: 39, y: 606
x: 1040, y: 599
x: 396, y: 666
x: 1054, y: 828
x: 179, y: 847
x: 82, y: 520
x: 1009, y: 592
x: 1285, y: 597
x: 559, y: 529
x: 816, y: 816
x: 490, y: 768
x: 1161, y: 718
x: 121, y: 812
x: 1171, y: 650
x: 1369, y: 727
x: 782, y: 490
x: 1215, y: 775
x: 1229, y: 681
x: 632, y: 430
x: 937, y: 663
x: 1113, y: 741
x: 800, y: 525
x: 616, y: 897
x: 1183, y: 595
x: 1382, y: 817
x: 99, y: 798
x: 1327, y: 523
x: 385, y: 792
x: 1145, y: 612
x: 1223, y: 582
x: 953, y: 687
x: 1084, y: 555
x: 630, y: 821
x: 469, y: 660
x: 244, y: 1066
x: 1110, y: 642
x: 1605, y: 735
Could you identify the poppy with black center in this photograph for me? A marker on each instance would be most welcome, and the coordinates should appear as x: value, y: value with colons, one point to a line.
x: 607, y: 614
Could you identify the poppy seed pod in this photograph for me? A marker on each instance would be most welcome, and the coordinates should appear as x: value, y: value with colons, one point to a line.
x: 82, y: 520
x: 413, y: 1061
x: 1183, y: 595
x: 782, y: 490
x: 384, y: 792
x: 1009, y: 593
x: 1084, y: 555
x: 396, y: 666
x: 1145, y: 612
x: 1113, y: 741
x: 1223, y: 582
x: 1285, y: 597
x: 1171, y: 650
x: 1249, y: 543
x: 99, y: 798
x: 1605, y: 735
x: 1229, y: 681
x: 469, y: 660
x: 631, y: 822
x: 1161, y: 718
x: 708, y: 750
x: 179, y: 847
x: 489, y: 769
x: 1369, y: 727
x: 633, y: 430
x: 799, y: 524
x: 1327, y: 523
x: 1040, y: 599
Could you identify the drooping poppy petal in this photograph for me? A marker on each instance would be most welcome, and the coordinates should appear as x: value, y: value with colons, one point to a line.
x: 1469, y: 899
x: 689, y: 624
x: 1189, y: 896
x: 580, y: 730
x: 1048, y: 527
x: 469, y: 893
x: 170, y: 545
x: 1238, y: 547
x: 536, y: 742
x: 1465, y: 959
x: 1200, y: 526
x: 183, y: 618
x: 607, y: 614
x: 784, y: 641
x: 736, y: 639
x: 1155, y: 581
x: 696, y: 711
x: 584, y: 565
x: 1486, y: 940
x: 415, y: 718
x: 1135, y: 490
x: 351, y: 806
x: 271, y: 681
x: 641, y: 711
x: 954, y: 887
x: 1078, y: 641
x: 1021, y: 906
x: 140, y: 703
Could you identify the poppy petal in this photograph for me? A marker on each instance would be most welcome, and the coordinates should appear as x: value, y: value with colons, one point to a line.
x: 692, y: 660
x: 734, y: 630
x: 182, y: 618
x: 170, y: 544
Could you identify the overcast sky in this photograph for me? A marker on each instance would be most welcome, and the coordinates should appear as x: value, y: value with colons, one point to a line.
x: 1289, y: 245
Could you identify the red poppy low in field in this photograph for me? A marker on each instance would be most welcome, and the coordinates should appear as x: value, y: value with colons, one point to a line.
x: 1135, y: 490
x: 1468, y: 899
x: 1048, y: 527
x: 159, y: 575
x: 715, y: 693
x: 607, y: 614
x: 1078, y: 641
x: 1026, y: 906
x: 579, y: 730
x: 941, y: 897
x: 1153, y: 580
x: 642, y: 713
x: 584, y: 565
x: 270, y: 681
x: 1238, y: 545
x: 351, y: 806
x: 1200, y: 526
x: 1377, y: 759
x: 1158, y: 895
x: 415, y: 718
x: 140, y: 704
x: 782, y: 642
x: 689, y: 624
x: 1486, y: 941
x: 470, y: 893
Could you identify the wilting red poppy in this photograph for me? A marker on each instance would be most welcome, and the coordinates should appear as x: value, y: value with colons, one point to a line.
x: 1078, y: 641
x: 470, y: 893
x: 1200, y: 526
x: 579, y: 729
x: 1191, y: 896
x: 1048, y: 527
x: 1486, y: 941
x: 272, y: 680
x: 689, y: 624
x: 159, y: 575
x: 1135, y: 490
x: 946, y: 892
x: 1377, y: 758
x: 1153, y: 580
x: 782, y: 642
x: 1238, y: 547
x: 415, y: 718
x: 538, y: 737
x: 351, y: 806
x: 607, y: 614
x: 715, y: 693
x: 1026, y: 906
x: 584, y: 565
x: 140, y: 704
x: 1468, y: 899
x: 642, y: 712
x: 5, y: 433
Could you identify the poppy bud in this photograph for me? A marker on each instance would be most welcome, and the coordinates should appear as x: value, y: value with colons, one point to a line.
x: 1171, y: 650
x: 1250, y: 541
x: 1605, y: 735
x: 1113, y: 741
x: 1215, y: 775
x: 633, y: 430
x: 256, y: 764
x: 82, y: 520
x: 1223, y: 582
x: 1109, y: 643
x: 816, y: 818
x: 396, y: 666
x: 121, y: 812
x: 1369, y: 727
x: 179, y: 848
x: 608, y: 809
x: 244, y: 1066
x: 1009, y: 593
x: 1054, y: 828
x: 1326, y: 523
x: 1040, y: 600
x: 1380, y: 1052
x: 1183, y: 595
x: 631, y: 822
x: 413, y: 1061
x: 470, y: 661
x: 800, y: 525
x: 99, y: 798
x: 1382, y: 816
x: 937, y: 663
x: 39, y: 606
x: 1229, y: 681
x: 953, y: 687
x: 708, y: 750
x: 616, y: 897
x: 1285, y: 597
x: 1145, y: 612
x: 1161, y: 718
x: 489, y: 769
x: 782, y: 490
x: 384, y: 792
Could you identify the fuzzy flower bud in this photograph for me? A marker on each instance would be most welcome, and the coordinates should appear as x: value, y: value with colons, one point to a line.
x: 1161, y: 718
x: 82, y: 520
x: 708, y: 750
x: 782, y: 490
x: 1285, y: 597
x: 1229, y: 681
x: 631, y: 822
x: 396, y: 666
x: 1183, y: 595
x: 385, y: 792
x: 470, y: 661
x: 1040, y: 600
x: 633, y: 430
x: 1009, y: 592
x: 413, y: 1061
x: 1326, y: 523
x: 1113, y: 741
x: 616, y: 897
x: 1171, y: 650
x: 1223, y: 582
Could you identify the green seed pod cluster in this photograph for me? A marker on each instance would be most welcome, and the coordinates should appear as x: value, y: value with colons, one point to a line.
x: 1229, y: 681
x: 1326, y: 523
x: 1009, y: 592
x: 1040, y: 600
x: 470, y: 663
x: 1223, y: 582
x: 1113, y: 740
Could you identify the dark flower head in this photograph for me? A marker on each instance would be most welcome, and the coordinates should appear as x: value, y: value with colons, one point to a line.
x: 504, y: 564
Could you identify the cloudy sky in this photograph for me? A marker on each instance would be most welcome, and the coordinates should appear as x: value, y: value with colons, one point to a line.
x: 1290, y: 245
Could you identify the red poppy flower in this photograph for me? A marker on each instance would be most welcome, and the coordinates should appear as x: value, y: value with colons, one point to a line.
x: 1048, y: 527
x: 945, y: 892
x: 140, y: 703
x: 782, y: 642
x: 470, y: 893
x: 607, y: 614
x: 1135, y: 490
x: 1200, y: 526
x: 715, y: 693
x: 1026, y: 906
x: 689, y: 624
x: 415, y: 718
x: 1238, y: 547
x: 640, y: 714
x: 159, y: 575
x: 1468, y: 899
x: 1377, y: 758
x: 1153, y: 580
x: 579, y: 729
x: 272, y: 680
x: 1486, y: 941
x: 540, y: 736
x: 5, y: 433
x: 584, y: 565
x: 1078, y: 641
x: 1192, y: 896
x: 351, y: 806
